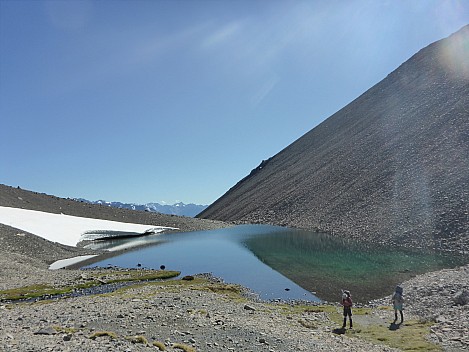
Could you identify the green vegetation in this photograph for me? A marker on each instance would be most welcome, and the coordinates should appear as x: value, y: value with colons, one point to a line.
x: 300, y: 309
x: 159, y: 345
x: 97, y: 334
x: 65, y: 330
x: 137, y: 339
x: 169, y: 286
x: 36, y: 291
x: 33, y: 291
x: 143, y: 275
x: 200, y: 284
x: 233, y: 291
x: 308, y: 324
x: 410, y: 336
x: 202, y: 312
x: 183, y: 347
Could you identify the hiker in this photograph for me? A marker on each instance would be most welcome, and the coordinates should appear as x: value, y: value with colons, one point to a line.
x: 347, y: 303
x: 398, y: 302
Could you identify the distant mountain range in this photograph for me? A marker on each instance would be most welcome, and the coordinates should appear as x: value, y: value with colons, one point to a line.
x: 180, y: 208
x: 391, y: 166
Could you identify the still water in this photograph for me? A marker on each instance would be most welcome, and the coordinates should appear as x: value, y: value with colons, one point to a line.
x: 281, y: 263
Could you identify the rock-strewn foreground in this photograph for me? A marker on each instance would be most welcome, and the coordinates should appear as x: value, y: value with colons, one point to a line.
x: 391, y: 166
x: 198, y: 314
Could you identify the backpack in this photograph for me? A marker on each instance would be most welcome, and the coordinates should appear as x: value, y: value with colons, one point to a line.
x: 398, y: 298
x: 399, y: 290
x: 347, y: 299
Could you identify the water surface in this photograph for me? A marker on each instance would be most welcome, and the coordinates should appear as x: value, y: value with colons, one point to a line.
x: 284, y: 263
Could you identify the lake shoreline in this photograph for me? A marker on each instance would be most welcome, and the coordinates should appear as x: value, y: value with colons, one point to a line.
x: 223, y: 327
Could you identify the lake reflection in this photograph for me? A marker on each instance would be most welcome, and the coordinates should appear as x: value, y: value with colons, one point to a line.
x: 284, y: 263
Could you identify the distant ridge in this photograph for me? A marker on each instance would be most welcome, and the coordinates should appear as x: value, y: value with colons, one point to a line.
x: 392, y: 166
x: 15, y: 197
x: 180, y: 208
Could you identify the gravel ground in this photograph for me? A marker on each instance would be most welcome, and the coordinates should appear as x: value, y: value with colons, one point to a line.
x: 442, y: 298
x: 195, y: 318
x: 199, y: 319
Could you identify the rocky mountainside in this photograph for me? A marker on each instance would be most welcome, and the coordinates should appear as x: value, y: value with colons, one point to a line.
x: 391, y: 166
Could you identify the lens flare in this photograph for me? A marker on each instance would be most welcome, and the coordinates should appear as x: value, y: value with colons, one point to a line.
x: 454, y: 56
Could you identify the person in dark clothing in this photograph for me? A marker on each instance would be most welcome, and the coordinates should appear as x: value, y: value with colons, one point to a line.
x: 347, y: 303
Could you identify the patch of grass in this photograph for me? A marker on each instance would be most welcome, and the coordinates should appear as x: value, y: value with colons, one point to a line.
x: 201, y: 284
x: 170, y: 285
x: 97, y: 334
x: 138, y: 275
x: 411, y: 336
x: 225, y: 288
x: 314, y: 310
x: 183, y: 347
x: 300, y: 309
x: 159, y: 345
x: 307, y: 324
x: 137, y: 339
x: 32, y: 291
x: 61, y: 329
x: 361, y: 311
x: 197, y: 311
x: 35, y: 291
x: 336, y: 315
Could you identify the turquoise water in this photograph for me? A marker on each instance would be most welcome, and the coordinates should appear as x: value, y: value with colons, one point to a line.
x: 326, y: 264
x: 284, y: 263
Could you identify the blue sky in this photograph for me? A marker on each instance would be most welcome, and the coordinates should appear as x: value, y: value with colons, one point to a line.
x: 150, y: 101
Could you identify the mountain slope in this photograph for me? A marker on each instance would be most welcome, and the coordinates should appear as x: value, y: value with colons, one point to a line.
x: 393, y: 165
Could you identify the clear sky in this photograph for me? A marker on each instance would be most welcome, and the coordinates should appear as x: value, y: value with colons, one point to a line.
x: 150, y: 101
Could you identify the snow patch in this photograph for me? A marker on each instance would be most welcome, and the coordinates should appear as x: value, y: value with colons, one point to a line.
x: 59, y: 264
x: 67, y: 229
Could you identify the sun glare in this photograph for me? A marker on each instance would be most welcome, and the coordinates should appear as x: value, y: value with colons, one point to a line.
x: 455, y: 55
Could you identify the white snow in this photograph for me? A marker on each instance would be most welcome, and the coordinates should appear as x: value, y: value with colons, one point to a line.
x: 65, y: 229
x: 59, y: 264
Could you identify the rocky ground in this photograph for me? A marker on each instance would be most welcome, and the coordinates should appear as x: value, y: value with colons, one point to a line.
x: 441, y: 298
x: 201, y: 315
x: 205, y: 315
